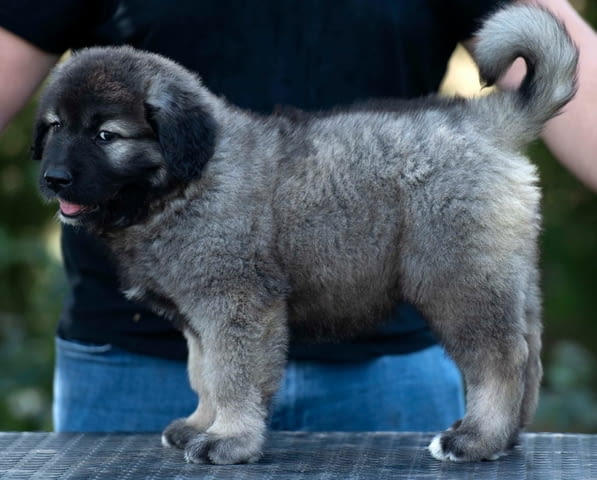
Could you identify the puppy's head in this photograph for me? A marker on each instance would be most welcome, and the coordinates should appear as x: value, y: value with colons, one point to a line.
x: 117, y: 128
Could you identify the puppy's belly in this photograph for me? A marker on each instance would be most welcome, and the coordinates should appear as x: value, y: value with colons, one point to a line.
x: 333, y: 314
x: 339, y: 292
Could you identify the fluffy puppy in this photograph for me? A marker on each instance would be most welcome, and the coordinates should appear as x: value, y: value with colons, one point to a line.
x: 243, y: 228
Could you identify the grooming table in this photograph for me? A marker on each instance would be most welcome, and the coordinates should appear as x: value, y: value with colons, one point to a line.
x: 289, y: 456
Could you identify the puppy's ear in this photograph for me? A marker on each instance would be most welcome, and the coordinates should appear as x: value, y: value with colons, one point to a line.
x: 186, y: 132
x: 39, y: 139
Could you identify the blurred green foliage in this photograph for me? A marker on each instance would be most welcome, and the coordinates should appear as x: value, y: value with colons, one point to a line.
x: 32, y: 286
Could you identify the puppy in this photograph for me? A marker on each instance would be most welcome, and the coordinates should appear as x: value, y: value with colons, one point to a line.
x: 243, y: 229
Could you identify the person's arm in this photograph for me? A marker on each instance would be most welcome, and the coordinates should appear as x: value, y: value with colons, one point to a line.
x: 22, y: 68
x: 572, y: 135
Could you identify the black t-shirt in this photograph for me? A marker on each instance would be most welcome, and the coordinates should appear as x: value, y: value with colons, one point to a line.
x: 312, y: 54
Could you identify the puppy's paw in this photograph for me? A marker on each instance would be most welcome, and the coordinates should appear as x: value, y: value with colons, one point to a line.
x: 208, y: 448
x: 462, y: 446
x: 178, y: 434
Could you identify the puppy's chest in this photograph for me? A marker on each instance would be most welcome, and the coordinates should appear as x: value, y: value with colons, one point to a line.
x: 171, y: 266
x: 149, y: 266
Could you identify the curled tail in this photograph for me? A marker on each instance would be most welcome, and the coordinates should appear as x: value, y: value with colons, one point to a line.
x: 551, y: 58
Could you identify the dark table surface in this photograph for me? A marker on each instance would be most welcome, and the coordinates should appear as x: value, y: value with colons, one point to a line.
x: 289, y: 456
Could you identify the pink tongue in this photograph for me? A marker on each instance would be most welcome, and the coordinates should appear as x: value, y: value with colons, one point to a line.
x: 70, y: 208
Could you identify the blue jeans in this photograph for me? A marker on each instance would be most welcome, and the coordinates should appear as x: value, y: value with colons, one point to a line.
x: 104, y: 388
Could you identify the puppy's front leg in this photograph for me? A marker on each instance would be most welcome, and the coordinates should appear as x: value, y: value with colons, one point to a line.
x: 243, y: 345
x: 181, y: 431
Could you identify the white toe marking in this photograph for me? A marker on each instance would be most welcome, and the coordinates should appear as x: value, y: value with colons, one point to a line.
x: 165, y: 441
x: 435, y: 448
x: 497, y: 456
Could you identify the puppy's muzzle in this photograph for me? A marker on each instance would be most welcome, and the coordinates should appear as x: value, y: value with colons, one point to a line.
x: 57, y: 179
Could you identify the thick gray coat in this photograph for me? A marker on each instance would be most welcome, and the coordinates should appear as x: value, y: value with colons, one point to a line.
x: 243, y: 228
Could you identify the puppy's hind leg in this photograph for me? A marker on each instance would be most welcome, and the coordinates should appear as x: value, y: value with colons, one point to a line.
x: 483, y: 331
x: 182, y: 430
x: 467, y: 266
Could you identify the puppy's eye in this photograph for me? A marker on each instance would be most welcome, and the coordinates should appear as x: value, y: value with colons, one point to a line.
x: 56, y: 125
x: 106, y: 136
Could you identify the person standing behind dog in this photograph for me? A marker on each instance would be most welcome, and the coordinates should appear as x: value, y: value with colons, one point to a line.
x: 119, y: 367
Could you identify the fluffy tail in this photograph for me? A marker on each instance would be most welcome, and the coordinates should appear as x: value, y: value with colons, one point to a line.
x: 551, y: 57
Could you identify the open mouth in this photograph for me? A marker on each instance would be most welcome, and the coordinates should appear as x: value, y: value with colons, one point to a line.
x: 73, y: 210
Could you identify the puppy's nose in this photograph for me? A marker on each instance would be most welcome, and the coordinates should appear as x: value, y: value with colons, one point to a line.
x: 57, y: 178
